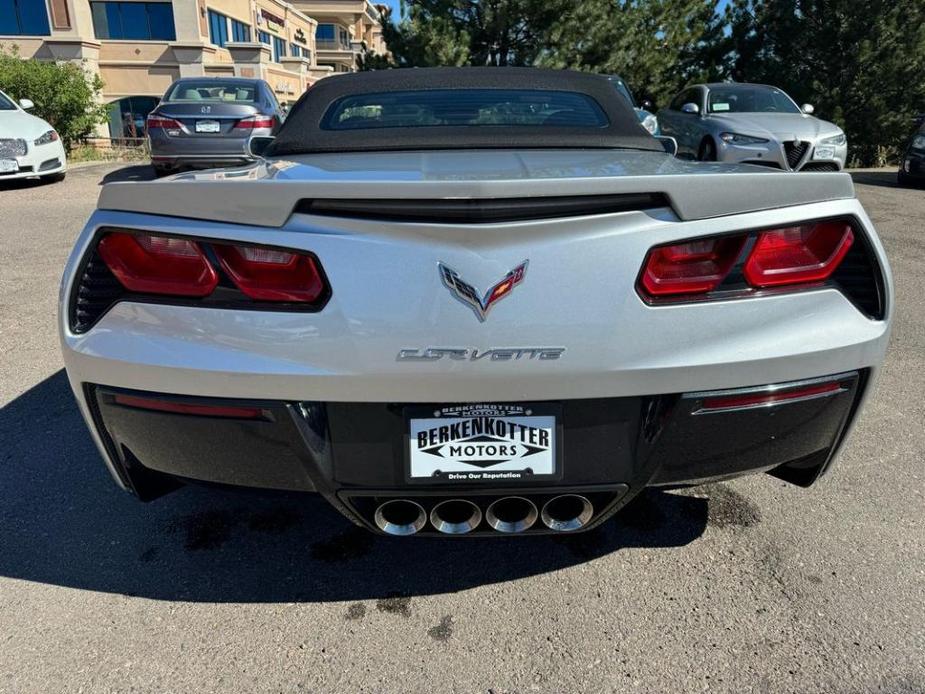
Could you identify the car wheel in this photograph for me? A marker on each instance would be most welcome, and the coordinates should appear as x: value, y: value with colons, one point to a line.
x: 707, y: 151
x: 54, y: 178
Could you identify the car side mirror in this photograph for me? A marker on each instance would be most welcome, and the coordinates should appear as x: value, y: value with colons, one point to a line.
x: 807, y: 109
x: 257, y: 146
x: 691, y: 108
x: 669, y: 144
x: 26, y: 104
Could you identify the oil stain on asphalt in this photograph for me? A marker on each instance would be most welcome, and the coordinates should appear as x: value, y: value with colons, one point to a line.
x: 395, y: 604
x: 443, y: 631
x: 356, y: 611
x: 728, y: 508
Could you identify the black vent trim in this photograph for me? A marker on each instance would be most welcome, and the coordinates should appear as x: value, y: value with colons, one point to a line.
x: 795, y: 149
x: 859, y: 278
x: 820, y: 166
x: 482, y: 210
x: 97, y: 290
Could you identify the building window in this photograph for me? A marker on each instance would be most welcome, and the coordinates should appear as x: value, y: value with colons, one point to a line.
x: 127, y: 116
x: 218, y: 28
x: 295, y: 50
x: 279, y: 48
x: 240, y: 31
x: 24, y: 18
x: 325, y: 32
x: 140, y: 21
x: 263, y: 37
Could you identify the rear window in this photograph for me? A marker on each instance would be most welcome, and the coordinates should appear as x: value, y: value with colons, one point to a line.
x: 6, y: 104
x: 464, y: 107
x: 213, y: 92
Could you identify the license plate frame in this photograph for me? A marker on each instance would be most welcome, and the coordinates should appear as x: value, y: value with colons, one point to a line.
x: 447, y: 468
x: 9, y: 166
x: 824, y: 152
x: 208, y: 127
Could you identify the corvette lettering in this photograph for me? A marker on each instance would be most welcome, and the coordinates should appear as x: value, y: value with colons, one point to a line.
x: 475, y: 354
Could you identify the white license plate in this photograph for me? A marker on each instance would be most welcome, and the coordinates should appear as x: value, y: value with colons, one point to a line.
x: 824, y: 153
x: 208, y: 126
x: 8, y: 165
x: 476, y: 443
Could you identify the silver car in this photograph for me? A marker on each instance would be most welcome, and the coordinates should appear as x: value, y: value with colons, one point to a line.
x: 473, y: 301
x: 204, y: 122
x: 753, y: 124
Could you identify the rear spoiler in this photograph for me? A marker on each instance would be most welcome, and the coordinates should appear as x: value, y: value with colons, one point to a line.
x: 267, y: 199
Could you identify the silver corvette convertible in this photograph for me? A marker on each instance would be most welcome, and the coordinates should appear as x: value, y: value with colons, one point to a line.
x: 754, y: 124
x: 472, y: 301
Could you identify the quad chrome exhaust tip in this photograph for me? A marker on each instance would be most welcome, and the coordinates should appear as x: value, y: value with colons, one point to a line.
x: 567, y: 512
x: 400, y: 517
x: 455, y: 516
x: 511, y: 514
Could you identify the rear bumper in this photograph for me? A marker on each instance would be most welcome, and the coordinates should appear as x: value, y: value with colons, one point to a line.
x: 355, y: 453
x: 200, y: 161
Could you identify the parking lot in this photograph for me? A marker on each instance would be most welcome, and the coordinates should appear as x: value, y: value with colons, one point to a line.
x: 751, y: 585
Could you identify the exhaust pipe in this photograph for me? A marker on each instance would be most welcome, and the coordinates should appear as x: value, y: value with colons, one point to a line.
x: 455, y: 516
x: 511, y: 514
x: 567, y: 512
x: 400, y: 517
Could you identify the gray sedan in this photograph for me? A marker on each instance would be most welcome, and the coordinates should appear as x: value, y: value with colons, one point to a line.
x: 753, y: 124
x: 206, y: 122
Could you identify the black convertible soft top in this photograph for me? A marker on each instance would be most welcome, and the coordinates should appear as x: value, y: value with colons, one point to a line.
x: 604, y: 120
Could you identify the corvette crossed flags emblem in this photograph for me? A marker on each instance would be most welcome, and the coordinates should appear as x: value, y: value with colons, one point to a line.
x: 469, y: 295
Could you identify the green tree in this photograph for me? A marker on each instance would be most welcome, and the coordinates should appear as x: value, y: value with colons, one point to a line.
x: 656, y: 45
x: 859, y: 62
x: 64, y: 94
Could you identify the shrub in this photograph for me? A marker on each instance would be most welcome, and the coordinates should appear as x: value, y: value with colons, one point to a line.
x: 65, y: 95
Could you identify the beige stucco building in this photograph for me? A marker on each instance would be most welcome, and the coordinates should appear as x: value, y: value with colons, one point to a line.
x: 139, y: 47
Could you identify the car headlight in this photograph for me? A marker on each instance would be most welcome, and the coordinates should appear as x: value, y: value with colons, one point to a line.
x: 47, y: 138
x: 737, y: 139
x: 918, y: 142
x: 650, y: 123
x: 836, y: 140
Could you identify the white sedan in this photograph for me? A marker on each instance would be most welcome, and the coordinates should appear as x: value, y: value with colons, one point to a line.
x: 29, y: 146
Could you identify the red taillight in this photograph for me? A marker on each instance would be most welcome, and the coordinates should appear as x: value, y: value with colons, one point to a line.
x: 796, y: 255
x: 201, y: 410
x: 162, y: 122
x: 254, y: 122
x: 267, y: 274
x: 769, y: 397
x: 158, y: 264
x: 692, y: 267
x: 807, y: 253
x: 154, y: 264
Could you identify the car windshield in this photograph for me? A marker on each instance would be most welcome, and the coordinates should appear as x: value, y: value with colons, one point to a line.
x: 6, y: 104
x: 213, y: 92
x: 749, y: 99
x: 464, y: 107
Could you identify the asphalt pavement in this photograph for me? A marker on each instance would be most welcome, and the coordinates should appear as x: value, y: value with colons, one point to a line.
x: 747, y: 586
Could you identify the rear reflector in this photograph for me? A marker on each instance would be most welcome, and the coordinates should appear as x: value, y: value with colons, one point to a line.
x: 159, y: 405
x: 158, y: 264
x: 770, y: 397
x: 255, y: 122
x: 268, y: 274
x: 692, y: 267
x: 799, y: 254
